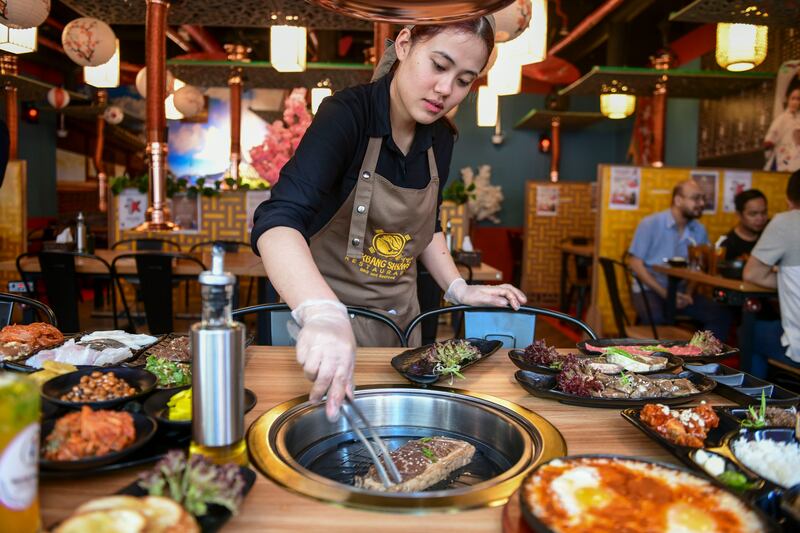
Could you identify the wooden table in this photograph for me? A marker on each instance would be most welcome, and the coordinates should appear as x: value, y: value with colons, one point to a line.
x: 583, y: 251
x: 274, y: 376
x: 482, y: 272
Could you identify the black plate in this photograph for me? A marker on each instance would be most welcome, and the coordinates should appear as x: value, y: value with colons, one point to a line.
x: 217, y: 515
x: 141, y: 359
x: 540, y: 527
x: 790, y: 506
x: 673, y: 363
x: 544, y: 386
x: 156, y: 404
x: 137, y: 378
x: 145, y: 430
x: 728, y: 351
x: 776, y: 434
x: 22, y: 367
x: 403, y: 361
x: 740, y: 413
x: 744, y: 389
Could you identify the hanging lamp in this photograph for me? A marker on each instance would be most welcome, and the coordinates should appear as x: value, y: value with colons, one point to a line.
x: 741, y: 46
x: 18, y: 41
x: 287, y: 48
x: 616, y: 101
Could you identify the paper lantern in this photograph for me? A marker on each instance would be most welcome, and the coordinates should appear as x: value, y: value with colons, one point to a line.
x: 505, y: 77
x: 531, y: 45
x: 487, y: 107
x: 512, y: 20
x: 106, y: 75
x: 189, y: 101
x: 58, y: 98
x: 141, y: 82
x: 287, y: 48
x: 113, y: 115
x: 616, y: 101
x: 89, y: 42
x: 740, y: 46
x: 18, y: 41
x: 21, y: 14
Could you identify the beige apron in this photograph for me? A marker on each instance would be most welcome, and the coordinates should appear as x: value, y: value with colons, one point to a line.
x: 367, y: 252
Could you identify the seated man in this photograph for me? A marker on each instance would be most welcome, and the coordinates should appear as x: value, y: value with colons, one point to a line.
x: 668, y: 234
x: 751, y: 208
x: 775, y: 263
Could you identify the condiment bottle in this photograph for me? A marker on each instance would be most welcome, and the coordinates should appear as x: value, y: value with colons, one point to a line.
x: 80, y: 233
x: 218, y: 370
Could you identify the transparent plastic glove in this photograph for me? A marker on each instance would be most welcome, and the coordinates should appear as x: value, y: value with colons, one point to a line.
x: 504, y: 295
x: 326, y: 348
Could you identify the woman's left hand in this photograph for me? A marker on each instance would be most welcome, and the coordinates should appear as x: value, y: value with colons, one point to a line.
x: 504, y: 295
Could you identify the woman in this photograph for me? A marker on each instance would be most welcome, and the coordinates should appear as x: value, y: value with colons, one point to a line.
x: 783, y: 136
x: 358, y: 203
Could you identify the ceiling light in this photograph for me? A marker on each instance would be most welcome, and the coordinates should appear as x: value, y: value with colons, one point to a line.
x: 531, y: 45
x: 616, y: 101
x: 319, y: 93
x: 505, y: 76
x: 487, y: 107
x: 17, y: 41
x: 740, y: 46
x: 287, y: 48
x: 106, y: 75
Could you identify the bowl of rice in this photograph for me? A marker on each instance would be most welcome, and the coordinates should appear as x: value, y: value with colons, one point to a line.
x: 773, y: 454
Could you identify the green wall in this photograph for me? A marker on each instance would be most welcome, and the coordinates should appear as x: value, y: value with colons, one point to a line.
x: 37, y: 146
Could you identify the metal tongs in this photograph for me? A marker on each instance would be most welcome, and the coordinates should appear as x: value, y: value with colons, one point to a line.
x: 395, y: 474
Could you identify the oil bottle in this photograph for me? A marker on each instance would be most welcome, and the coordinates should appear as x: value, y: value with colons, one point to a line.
x: 217, y: 343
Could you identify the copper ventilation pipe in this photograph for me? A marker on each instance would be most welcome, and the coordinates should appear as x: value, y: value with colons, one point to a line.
x: 660, y: 62
x: 381, y: 32
x: 236, y: 52
x: 555, y: 157
x: 8, y: 67
x: 100, y: 99
x: 156, y: 122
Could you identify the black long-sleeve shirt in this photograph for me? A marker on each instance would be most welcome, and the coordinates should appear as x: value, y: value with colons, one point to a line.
x: 317, y: 180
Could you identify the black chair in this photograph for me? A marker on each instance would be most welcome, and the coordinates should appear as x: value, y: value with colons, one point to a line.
x: 625, y: 327
x: 578, y: 288
x: 524, y: 310
x: 156, y: 280
x: 142, y: 244
x: 9, y: 301
x: 279, y: 335
x: 61, y: 283
x: 230, y: 247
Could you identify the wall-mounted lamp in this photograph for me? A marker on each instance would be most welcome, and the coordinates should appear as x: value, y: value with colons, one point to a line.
x: 18, y: 41
x: 104, y: 76
x: 616, y: 101
x: 740, y: 46
x: 287, y: 48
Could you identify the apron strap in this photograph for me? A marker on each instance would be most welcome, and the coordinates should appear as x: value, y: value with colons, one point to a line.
x: 363, y: 198
x: 432, y: 165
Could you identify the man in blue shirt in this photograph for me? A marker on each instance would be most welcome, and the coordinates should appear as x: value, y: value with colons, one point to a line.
x: 668, y: 234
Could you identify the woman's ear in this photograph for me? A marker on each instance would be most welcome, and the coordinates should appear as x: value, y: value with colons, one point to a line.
x: 402, y: 45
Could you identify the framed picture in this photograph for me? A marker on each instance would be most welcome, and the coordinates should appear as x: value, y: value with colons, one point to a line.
x: 626, y: 184
x: 547, y: 197
x: 707, y: 180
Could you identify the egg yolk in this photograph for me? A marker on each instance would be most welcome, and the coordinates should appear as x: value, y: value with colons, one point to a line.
x: 592, y: 497
x: 685, y: 518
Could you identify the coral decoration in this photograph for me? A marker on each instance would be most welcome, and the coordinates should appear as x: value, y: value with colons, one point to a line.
x: 488, y: 198
x: 283, y: 137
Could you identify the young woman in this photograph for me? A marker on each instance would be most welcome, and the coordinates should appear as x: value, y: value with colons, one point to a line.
x: 357, y: 205
x: 783, y: 136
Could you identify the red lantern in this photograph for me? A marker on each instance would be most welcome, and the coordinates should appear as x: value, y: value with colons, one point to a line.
x: 58, y: 98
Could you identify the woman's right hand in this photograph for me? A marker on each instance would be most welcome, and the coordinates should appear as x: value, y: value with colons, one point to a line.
x: 326, y: 348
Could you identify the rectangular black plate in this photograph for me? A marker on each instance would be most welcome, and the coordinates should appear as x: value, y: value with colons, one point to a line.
x: 486, y: 348
x: 748, y: 390
x: 728, y: 351
x: 544, y: 386
x: 217, y: 515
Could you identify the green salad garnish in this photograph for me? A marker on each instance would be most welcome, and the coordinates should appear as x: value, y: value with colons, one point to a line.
x: 169, y: 373
x: 756, y: 419
x: 428, y: 452
x: 736, y: 480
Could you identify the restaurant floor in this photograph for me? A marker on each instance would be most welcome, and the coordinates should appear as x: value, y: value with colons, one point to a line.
x: 91, y: 320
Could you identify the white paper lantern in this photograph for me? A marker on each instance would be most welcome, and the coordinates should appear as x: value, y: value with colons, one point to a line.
x: 113, y: 115
x: 189, y: 101
x: 58, y: 98
x: 89, y: 42
x: 512, y: 20
x: 141, y: 82
x: 21, y: 14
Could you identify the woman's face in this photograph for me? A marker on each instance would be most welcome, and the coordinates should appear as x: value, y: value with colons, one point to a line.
x: 436, y: 74
x: 793, y: 103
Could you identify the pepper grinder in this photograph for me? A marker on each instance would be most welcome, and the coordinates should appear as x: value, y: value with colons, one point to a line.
x: 217, y: 343
x: 80, y: 233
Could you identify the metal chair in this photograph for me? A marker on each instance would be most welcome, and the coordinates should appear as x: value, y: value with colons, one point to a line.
x: 230, y: 247
x: 625, y: 327
x: 155, y: 274
x: 141, y: 244
x: 514, y: 328
x: 8, y: 301
x: 278, y: 332
x: 61, y: 283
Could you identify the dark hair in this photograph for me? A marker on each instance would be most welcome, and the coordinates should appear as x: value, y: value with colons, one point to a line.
x: 794, y: 85
x: 793, y: 188
x: 741, y: 199
x: 479, y: 26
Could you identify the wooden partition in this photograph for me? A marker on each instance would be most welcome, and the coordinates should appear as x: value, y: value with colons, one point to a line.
x: 13, y: 216
x: 616, y: 227
x: 547, y: 224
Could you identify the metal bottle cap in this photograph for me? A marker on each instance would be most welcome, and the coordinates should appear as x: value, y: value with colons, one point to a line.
x: 217, y: 274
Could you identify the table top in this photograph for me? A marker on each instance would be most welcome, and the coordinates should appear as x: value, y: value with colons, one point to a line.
x: 240, y: 264
x: 275, y: 377
x: 707, y: 279
x: 584, y: 250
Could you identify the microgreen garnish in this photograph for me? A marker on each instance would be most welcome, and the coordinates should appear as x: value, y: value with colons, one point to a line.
x: 428, y: 452
x: 756, y: 419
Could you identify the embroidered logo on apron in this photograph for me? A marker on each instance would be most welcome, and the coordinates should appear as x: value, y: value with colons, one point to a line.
x: 389, y: 244
x: 385, y: 258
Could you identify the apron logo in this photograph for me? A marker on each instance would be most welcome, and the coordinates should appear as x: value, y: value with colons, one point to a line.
x: 389, y: 244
